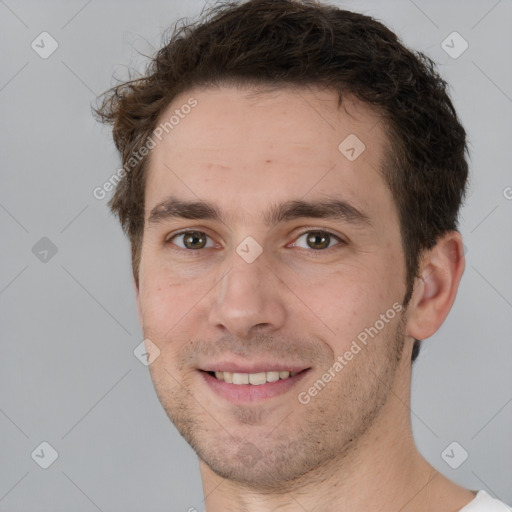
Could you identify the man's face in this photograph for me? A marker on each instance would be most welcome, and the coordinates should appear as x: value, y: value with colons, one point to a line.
x: 271, y: 286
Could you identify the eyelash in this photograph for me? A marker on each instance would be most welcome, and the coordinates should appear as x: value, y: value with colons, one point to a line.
x: 313, y: 252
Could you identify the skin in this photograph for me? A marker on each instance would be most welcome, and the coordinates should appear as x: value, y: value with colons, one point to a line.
x: 352, y: 444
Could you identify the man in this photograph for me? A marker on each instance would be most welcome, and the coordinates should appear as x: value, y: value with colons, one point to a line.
x: 292, y: 176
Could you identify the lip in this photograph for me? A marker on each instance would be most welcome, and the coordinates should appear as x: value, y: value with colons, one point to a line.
x: 246, y: 393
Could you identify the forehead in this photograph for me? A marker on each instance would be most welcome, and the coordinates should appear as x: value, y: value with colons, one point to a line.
x: 237, y: 144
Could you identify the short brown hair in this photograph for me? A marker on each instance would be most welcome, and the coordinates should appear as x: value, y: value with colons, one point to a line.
x: 304, y: 43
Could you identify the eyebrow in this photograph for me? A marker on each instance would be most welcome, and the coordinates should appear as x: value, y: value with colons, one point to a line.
x: 332, y: 209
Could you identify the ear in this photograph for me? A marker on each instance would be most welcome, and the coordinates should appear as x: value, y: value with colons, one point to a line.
x: 137, y: 298
x: 441, y: 269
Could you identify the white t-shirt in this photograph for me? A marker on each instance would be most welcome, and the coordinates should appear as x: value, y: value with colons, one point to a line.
x: 484, y: 503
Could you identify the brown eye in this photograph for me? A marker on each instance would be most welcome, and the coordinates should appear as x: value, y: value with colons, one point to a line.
x: 191, y: 240
x: 194, y: 240
x: 318, y: 239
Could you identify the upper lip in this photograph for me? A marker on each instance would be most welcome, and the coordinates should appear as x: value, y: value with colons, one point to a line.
x: 256, y: 367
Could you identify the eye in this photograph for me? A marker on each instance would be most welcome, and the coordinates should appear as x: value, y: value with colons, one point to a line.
x: 191, y: 240
x: 317, y: 240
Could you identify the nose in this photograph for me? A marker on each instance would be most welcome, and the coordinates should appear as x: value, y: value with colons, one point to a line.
x: 249, y: 299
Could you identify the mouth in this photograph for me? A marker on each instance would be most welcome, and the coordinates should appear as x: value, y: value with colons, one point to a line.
x: 238, y: 386
x: 256, y: 379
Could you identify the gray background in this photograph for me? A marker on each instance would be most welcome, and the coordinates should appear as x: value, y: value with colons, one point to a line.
x: 69, y: 325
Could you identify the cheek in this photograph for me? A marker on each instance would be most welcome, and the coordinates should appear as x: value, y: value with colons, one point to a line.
x: 165, y: 300
x: 343, y: 304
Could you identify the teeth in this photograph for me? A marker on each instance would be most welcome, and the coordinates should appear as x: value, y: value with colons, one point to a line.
x: 240, y: 378
x: 272, y: 376
x: 255, y: 379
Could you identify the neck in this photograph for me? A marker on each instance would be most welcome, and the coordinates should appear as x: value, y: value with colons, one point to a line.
x: 382, y: 472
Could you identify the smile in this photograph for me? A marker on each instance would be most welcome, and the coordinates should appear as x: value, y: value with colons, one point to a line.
x: 243, y: 387
x: 256, y: 379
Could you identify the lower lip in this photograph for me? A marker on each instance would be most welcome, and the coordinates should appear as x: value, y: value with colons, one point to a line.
x: 240, y: 393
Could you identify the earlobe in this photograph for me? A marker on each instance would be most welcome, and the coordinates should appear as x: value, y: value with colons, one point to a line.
x: 435, y: 290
